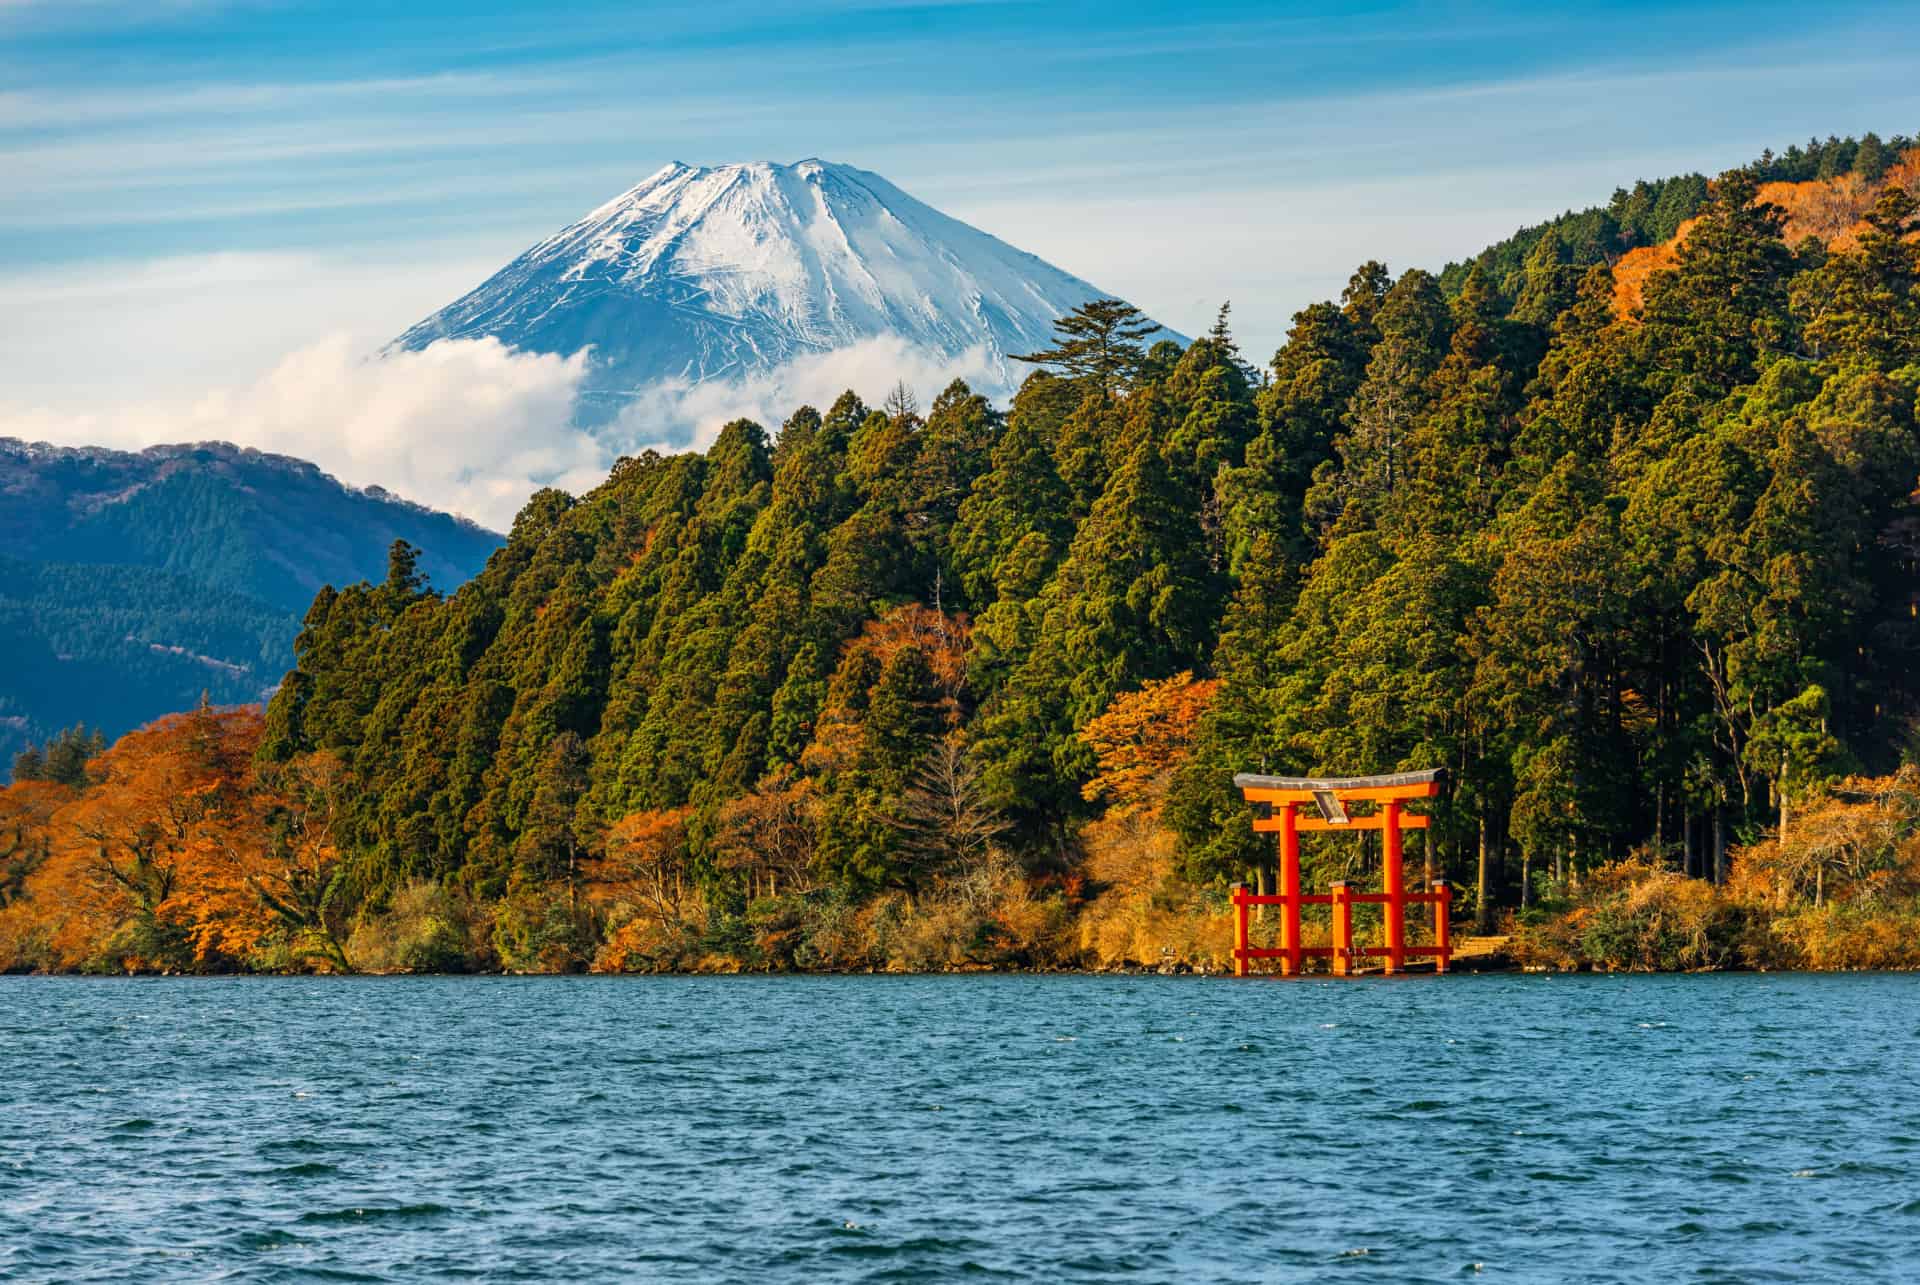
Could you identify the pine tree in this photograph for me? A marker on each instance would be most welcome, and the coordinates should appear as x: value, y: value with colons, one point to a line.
x: 30, y: 764
x: 1088, y: 447
x: 66, y: 754
x: 901, y: 720
x: 1872, y: 159
x: 1865, y: 304
x: 1546, y: 649
x: 1209, y: 399
x: 550, y: 847
x: 881, y: 721
x: 1019, y: 498
x: 1365, y: 294
x: 404, y: 581
x: 1390, y: 401
x: 1097, y: 344
x: 1313, y: 380
x: 1134, y: 599
x: 1588, y: 388
x: 1549, y: 283
x: 1721, y: 313
x: 956, y: 450
x: 1454, y: 456
x: 1236, y: 732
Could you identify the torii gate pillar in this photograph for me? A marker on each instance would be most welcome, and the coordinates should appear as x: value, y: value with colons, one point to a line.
x: 1294, y: 960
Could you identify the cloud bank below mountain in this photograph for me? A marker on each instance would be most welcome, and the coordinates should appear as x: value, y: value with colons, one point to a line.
x: 473, y: 426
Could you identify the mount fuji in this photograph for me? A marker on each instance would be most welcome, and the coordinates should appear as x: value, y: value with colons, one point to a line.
x: 726, y: 272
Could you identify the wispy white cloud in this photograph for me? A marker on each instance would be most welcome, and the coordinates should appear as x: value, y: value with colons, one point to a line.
x: 239, y: 164
x: 22, y: 108
x: 472, y: 426
x: 163, y: 277
x: 678, y: 414
x: 468, y: 426
x: 163, y: 330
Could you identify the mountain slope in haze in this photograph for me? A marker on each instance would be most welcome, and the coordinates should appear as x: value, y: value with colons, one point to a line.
x: 130, y: 582
x: 703, y: 273
x: 114, y: 646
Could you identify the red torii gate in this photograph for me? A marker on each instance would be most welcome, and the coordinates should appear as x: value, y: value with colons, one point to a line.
x: 1280, y: 798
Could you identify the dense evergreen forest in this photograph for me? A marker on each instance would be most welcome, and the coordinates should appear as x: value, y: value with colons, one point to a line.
x: 114, y: 646
x: 1644, y: 584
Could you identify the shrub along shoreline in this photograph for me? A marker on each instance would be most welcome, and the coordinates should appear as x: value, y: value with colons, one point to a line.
x: 179, y: 852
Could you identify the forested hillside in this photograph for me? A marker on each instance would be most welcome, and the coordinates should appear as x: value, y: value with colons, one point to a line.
x: 1652, y: 212
x: 1644, y: 584
x: 268, y: 526
x: 115, y: 646
x: 132, y: 582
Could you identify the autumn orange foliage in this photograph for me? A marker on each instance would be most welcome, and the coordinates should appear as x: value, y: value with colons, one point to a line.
x: 1831, y: 210
x: 645, y: 861
x: 1840, y: 891
x: 942, y: 638
x: 1142, y: 738
x: 151, y: 866
x: 179, y: 854
x: 767, y: 834
x: 1631, y: 270
x: 1859, y: 843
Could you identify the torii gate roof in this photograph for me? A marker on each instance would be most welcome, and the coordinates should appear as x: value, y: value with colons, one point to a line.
x: 1402, y: 785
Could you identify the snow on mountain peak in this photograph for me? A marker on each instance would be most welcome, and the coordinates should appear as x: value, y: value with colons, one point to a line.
x: 700, y: 273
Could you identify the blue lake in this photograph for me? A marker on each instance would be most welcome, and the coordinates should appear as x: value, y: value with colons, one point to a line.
x: 1714, y: 1128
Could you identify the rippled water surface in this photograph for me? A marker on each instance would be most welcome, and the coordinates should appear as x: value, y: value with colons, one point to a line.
x: 876, y: 1128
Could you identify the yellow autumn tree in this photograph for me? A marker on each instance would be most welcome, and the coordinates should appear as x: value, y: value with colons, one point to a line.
x: 767, y: 834
x: 27, y: 809
x: 1859, y: 842
x: 1142, y: 738
x: 640, y: 884
x: 645, y: 863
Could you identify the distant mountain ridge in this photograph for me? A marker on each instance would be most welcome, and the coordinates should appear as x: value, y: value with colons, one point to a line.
x: 270, y: 526
x: 133, y: 581
x: 711, y: 272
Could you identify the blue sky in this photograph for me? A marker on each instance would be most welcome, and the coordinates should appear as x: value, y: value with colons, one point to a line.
x: 194, y: 188
x: 179, y: 127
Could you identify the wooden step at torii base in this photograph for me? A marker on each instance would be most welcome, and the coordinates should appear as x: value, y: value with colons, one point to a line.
x: 1281, y: 801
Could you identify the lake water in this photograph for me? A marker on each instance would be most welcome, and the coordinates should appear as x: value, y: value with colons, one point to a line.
x: 888, y: 1129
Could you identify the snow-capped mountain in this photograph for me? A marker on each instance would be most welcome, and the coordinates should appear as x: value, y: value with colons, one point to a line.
x: 703, y: 273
